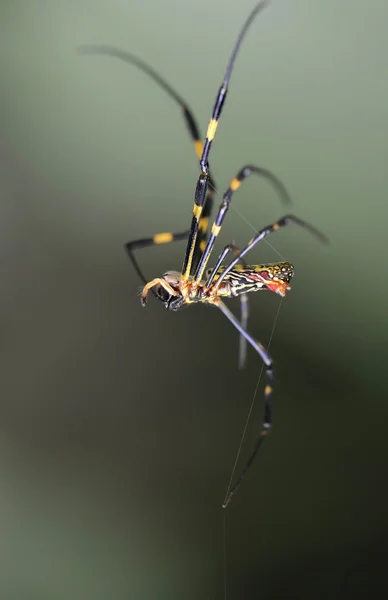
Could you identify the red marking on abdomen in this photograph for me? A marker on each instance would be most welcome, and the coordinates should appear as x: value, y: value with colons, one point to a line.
x: 262, y: 276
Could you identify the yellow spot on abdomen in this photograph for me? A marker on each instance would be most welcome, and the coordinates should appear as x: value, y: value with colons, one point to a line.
x: 267, y: 390
x: 211, y: 130
x: 202, y: 245
x: 163, y: 238
x: 275, y: 227
x: 235, y: 184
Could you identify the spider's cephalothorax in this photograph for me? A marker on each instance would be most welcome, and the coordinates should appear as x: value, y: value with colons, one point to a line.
x: 197, y: 283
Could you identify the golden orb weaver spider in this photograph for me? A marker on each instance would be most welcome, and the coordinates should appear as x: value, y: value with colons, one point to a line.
x: 195, y: 283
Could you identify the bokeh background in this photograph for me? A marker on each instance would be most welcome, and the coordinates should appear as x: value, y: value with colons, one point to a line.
x: 119, y: 426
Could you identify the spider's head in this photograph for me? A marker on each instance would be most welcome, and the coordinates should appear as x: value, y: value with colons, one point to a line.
x: 164, y: 293
x: 279, y: 277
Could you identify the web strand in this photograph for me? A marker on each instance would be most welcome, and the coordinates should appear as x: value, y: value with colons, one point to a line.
x: 224, y: 532
x: 246, y: 221
x: 224, y: 550
x: 252, y: 405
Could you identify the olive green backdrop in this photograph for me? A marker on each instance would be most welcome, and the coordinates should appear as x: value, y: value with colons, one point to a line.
x: 119, y: 426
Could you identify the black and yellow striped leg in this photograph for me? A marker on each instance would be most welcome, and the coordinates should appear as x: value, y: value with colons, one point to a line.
x: 203, y: 180
x: 159, y: 238
x: 127, y: 57
x: 267, y: 419
x: 199, y: 203
x: 223, y: 90
x: 283, y: 222
x: 192, y: 127
x: 212, y: 127
x: 202, y: 183
x: 226, y: 200
x: 244, y: 302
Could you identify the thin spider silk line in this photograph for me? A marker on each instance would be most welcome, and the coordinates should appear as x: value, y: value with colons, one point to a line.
x: 248, y: 417
x: 252, y: 403
x: 256, y: 231
x: 268, y: 346
x: 245, y: 220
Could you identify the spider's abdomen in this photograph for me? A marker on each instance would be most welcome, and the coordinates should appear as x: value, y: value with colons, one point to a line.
x: 253, y: 278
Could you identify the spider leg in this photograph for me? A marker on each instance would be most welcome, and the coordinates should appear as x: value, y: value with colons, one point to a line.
x: 243, y: 174
x: 203, y: 179
x: 151, y: 284
x: 192, y: 127
x: 283, y: 222
x: 159, y: 238
x: 244, y: 302
x: 267, y: 417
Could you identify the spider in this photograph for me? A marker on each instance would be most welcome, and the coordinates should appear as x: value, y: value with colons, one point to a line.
x: 196, y: 282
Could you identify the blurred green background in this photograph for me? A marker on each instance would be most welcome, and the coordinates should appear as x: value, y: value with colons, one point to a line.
x: 119, y: 426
